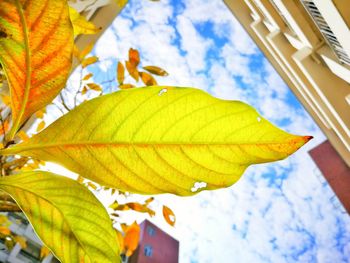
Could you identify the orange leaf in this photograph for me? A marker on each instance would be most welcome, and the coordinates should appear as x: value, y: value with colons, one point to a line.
x: 4, y: 127
x: 83, y: 92
x: 23, y: 136
x: 169, y: 215
x: 120, y: 73
x: 94, y: 86
x: 131, y: 239
x: 6, y: 100
x: 80, y: 179
x: 21, y: 241
x: 140, y: 208
x: 88, y: 76
x: 44, y: 252
x: 126, y: 86
x: 156, y: 70
x: 41, y: 126
x: 134, y: 57
x: 148, y: 79
x: 4, y: 230
x: 36, y: 46
x: 87, y: 49
x: 124, y: 227
x: 40, y: 113
x: 149, y: 200
x: 92, y: 185
x: 132, y: 70
x: 89, y: 61
x: 120, y: 241
x: 76, y: 52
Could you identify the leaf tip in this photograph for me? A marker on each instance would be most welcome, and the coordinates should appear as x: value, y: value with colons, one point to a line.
x: 308, y: 138
x: 301, y: 141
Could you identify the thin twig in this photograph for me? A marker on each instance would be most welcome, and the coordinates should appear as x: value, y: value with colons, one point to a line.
x: 64, y: 103
x: 80, y: 86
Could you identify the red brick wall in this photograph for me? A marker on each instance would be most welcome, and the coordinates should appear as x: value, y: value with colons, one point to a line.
x: 165, y: 249
x: 335, y: 170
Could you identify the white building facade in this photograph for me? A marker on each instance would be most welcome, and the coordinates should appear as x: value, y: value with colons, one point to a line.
x: 308, y: 43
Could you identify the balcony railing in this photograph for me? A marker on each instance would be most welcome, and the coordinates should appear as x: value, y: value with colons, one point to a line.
x: 326, y: 31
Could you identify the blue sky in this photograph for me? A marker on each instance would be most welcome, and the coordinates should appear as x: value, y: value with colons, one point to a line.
x: 278, y: 212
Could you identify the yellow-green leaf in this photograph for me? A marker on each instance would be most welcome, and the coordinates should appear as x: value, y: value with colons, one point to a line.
x: 121, y: 3
x: 156, y: 70
x: 80, y: 24
x: 41, y: 126
x: 155, y: 140
x: 147, y: 79
x: 36, y: 45
x: 120, y: 73
x: 89, y: 61
x: 66, y: 216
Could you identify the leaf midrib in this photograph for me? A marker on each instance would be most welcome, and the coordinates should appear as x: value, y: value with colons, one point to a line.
x: 18, y: 149
x: 28, y: 72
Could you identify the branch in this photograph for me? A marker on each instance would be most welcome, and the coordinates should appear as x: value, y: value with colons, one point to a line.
x: 63, y: 102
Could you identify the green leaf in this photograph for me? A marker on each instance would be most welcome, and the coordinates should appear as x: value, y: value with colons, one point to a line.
x: 155, y: 140
x: 66, y: 216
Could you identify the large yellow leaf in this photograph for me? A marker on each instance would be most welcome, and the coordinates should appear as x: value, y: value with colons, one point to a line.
x: 66, y: 216
x: 36, y: 44
x: 161, y: 139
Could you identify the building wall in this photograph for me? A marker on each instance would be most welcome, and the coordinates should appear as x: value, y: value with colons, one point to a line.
x: 17, y: 254
x: 155, y: 246
x: 306, y: 55
x: 335, y: 170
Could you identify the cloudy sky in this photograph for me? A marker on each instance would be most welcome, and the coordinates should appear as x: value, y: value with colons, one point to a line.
x: 280, y: 212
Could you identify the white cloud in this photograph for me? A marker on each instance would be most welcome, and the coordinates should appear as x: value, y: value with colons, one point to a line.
x: 195, y: 46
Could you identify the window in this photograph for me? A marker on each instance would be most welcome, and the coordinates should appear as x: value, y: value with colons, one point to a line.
x: 31, y: 253
x: 148, y: 251
x: 151, y: 231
